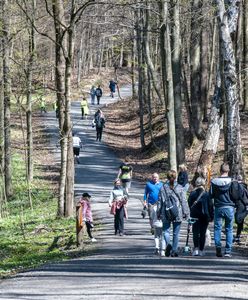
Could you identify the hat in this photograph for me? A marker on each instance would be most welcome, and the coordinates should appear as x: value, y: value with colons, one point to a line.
x: 86, y: 195
x: 200, y: 181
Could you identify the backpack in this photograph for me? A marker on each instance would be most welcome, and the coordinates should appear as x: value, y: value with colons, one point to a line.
x: 171, y: 211
x: 98, y: 92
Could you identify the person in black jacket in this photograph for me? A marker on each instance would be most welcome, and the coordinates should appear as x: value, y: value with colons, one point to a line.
x: 183, y: 178
x: 201, y: 208
x: 223, y: 209
x: 240, y: 195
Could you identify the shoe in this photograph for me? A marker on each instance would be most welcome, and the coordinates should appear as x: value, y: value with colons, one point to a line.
x: 93, y: 240
x: 162, y: 253
x: 228, y: 255
x: 218, y: 252
x: 156, y: 252
x: 168, y: 250
x: 174, y: 254
x: 195, y: 252
x: 121, y: 233
x: 201, y: 253
x: 152, y: 231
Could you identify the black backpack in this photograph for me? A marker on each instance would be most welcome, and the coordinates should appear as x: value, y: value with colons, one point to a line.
x: 171, y: 211
x: 238, y: 192
x: 98, y: 92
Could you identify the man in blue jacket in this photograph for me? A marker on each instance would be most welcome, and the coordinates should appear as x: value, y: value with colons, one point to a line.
x: 152, y: 189
x: 223, y: 209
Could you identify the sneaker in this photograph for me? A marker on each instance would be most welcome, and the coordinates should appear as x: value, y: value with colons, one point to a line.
x: 162, y: 253
x: 174, y: 254
x: 168, y: 250
x: 201, y: 253
x: 156, y: 252
x: 228, y: 255
x: 93, y: 240
x: 218, y: 252
x: 121, y: 234
x: 195, y: 252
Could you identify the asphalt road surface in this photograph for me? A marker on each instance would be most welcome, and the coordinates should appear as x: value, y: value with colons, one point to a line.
x: 124, y: 267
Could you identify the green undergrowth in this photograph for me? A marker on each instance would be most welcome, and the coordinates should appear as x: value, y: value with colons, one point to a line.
x: 33, y: 236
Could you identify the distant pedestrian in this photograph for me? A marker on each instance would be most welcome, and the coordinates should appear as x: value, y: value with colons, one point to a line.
x: 56, y: 109
x: 118, y: 204
x: 84, y: 108
x: 98, y: 94
x: 151, y: 193
x: 183, y: 178
x: 201, y: 208
x: 223, y: 210
x: 112, y: 85
x: 43, y: 106
x: 99, y: 121
x: 172, y: 191
x: 125, y: 175
x: 87, y: 214
x: 93, y: 94
x: 77, y: 144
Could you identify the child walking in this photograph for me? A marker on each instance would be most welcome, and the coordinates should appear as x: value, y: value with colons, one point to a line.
x: 158, y: 233
x: 87, y: 214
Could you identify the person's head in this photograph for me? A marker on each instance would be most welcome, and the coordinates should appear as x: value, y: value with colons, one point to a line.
x: 117, y: 182
x: 224, y: 169
x: 239, y: 177
x: 182, y: 167
x: 171, y: 176
x: 86, y: 196
x: 99, y: 86
x: 200, y: 182
x: 155, y: 177
x: 93, y: 86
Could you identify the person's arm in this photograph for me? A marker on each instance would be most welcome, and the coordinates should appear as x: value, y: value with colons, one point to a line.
x: 111, y: 199
x: 119, y: 173
x: 185, y: 206
x: 159, y: 204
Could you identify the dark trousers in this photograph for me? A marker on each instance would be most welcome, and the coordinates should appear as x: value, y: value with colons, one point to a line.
x: 119, y: 220
x: 240, y: 227
x: 199, y: 229
x: 89, y: 227
x: 98, y: 99
x: 99, y: 133
x: 82, y: 110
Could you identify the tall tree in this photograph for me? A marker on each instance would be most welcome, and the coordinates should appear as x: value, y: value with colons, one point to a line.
x: 228, y: 26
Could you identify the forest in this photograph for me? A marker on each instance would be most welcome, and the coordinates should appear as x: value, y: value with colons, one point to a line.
x: 186, y: 60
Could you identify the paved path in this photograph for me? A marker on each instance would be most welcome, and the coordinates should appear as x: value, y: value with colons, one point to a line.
x: 124, y: 267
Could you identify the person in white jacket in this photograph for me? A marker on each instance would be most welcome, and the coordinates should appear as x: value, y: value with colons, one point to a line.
x: 158, y: 231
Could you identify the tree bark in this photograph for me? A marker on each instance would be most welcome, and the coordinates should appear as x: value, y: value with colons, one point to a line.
x: 228, y: 27
x: 245, y: 55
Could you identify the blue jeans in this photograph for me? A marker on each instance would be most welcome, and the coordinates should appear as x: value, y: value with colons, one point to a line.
x: 176, y: 229
x: 226, y: 214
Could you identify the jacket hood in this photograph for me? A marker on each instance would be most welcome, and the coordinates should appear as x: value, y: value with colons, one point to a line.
x: 222, y: 183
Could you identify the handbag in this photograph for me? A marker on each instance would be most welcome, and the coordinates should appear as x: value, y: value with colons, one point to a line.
x: 158, y: 224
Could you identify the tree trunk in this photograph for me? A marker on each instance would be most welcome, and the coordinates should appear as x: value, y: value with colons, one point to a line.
x: 169, y: 104
x: 228, y: 29
x: 6, y: 91
x: 245, y: 54
x: 195, y: 74
x: 176, y: 64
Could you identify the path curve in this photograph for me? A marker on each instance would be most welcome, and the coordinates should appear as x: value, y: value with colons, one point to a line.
x: 124, y: 267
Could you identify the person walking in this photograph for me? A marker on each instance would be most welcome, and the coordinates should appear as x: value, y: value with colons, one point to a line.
x: 183, y: 178
x: 158, y: 233
x: 172, y: 191
x: 112, y: 85
x: 93, y: 94
x: 118, y: 203
x: 125, y: 175
x: 98, y: 94
x: 87, y: 214
x: 43, y: 106
x: 84, y: 108
x: 201, y: 208
x: 240, y: 196
x: 99, y: 121
x: 151, y: 193
x: 77, y: 144
x: 223, y: 209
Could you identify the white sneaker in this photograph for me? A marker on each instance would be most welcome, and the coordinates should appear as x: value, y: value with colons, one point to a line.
x: 93, y: 240
x: 201, y: 253
x: 195, y: 252
x: 162, y: 253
